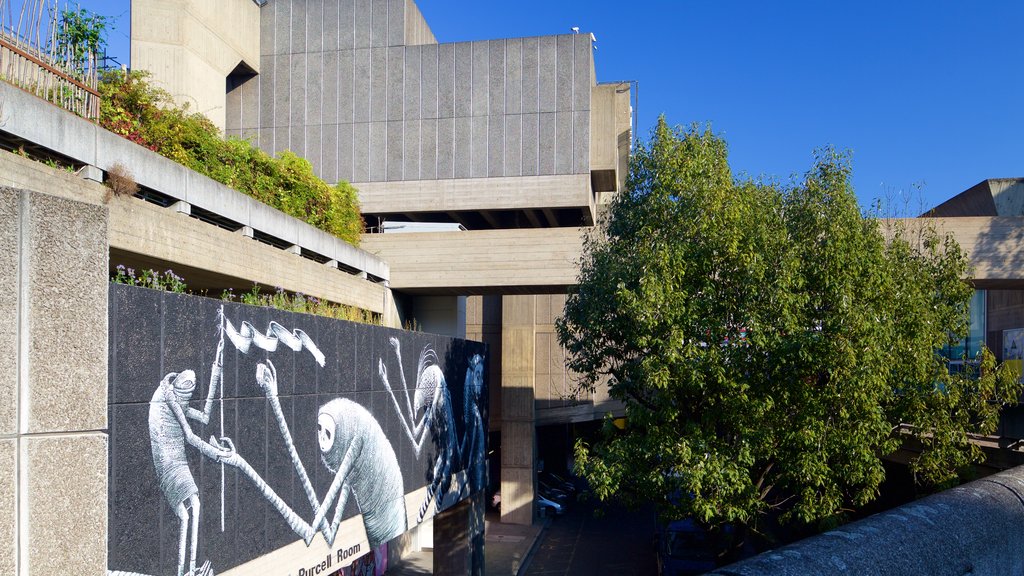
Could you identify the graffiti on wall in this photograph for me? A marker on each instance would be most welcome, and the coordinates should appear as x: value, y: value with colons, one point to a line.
x: 318, y: 470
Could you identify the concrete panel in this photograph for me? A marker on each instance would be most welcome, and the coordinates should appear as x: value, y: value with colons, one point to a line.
x: 66, y: 498
x: 361, y: 85
x: 563, y: 143
x: 233, y: 109
x: 345, y: 150
x: 395, y: 148
x: 297, y: 44
x: 517, y: 495
x: 378, y: 84
x: 346, y: 87
x: 463, y: 155
x: 448, y: 139
x: 297, y: 90
x: 513, y: 76
x: 583, y: 67
x: 267, y: 92
x: 531, y: 75
x: 361, y: 152
x: 396, y: 22
x: 379, y: 24
x: 10, y: 203
x: 346, y: 24
x: 8, y: 499
x: 428, y: 81
x: 413, y: 83
x: 581, y: 142
x: 395, y: 83
x: 329, y: 154
x: 513, y: 145
x: 363, y: 18
x: 282, y: 140
x: 73, y: 136
x: 428, y: 149
x: 315, y: 26
x: 496, y: 146
x: 250, y: 96
x: 548, y: 73
x: 411, y: 151
x: 313, y: 145
x: 564, y: 71
x: 332, y: 25
x: 282, y: 27
x: 546, y: 143
x: 206, y: 193
x: 281, y: 94
x: 496, y: 77
x: 267, y: 28
x: 479, y: 147
x: 463, y: 79
x: 446, y: 81
x: 71, y: 237
x: 378, y: 151
x: 329, y: 82
x: 297, y: 140
x: 481, y: 78
x: 315, y: 93
x: 531, y: 145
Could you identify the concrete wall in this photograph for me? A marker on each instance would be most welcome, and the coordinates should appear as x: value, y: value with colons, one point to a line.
x: 53, y: 448
x: 192, y: 46
x: 156, y: 336
x: 341, y: 85
x: 971, y: 529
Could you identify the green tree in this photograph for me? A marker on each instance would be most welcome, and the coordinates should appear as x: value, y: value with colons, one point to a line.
x: 768, y: 342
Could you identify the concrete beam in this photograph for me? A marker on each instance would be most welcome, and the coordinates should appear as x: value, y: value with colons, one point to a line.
x: 995, y: 245
x: 479, y: 194
x: 537, y: 260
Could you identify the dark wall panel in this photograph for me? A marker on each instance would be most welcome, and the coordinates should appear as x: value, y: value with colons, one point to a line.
x: 182, y: 446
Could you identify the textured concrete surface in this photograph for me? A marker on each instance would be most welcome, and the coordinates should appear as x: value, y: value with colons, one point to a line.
x: 10, y: 201
x: 66, y: 249
x: 971, y: 529
x: 67, y: 504
x: 8, y: 506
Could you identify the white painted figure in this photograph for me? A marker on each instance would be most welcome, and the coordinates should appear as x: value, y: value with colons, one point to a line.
x: 430, y: 410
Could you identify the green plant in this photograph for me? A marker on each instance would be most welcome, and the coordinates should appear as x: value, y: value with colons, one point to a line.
x: 80, y: 36
x: 167, y: 281
x: 281, y: 299
x: 135, y: 109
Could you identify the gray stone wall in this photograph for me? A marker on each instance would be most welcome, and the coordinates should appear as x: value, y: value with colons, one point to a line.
x: 53, y: 393
x: 341, y: 86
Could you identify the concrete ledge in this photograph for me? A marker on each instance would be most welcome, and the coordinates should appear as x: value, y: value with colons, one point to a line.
x: 10, y: 252
x: 48, y: 126
x: 971, y: 529
x: 531, y: 260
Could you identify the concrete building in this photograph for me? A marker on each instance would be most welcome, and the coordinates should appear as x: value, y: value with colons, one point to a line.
x: 513, y: 139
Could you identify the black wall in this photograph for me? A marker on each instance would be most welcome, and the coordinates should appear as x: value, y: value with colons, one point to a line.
x: 153, y: 334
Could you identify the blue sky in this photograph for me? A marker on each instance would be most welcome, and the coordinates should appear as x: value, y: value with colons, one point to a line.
x: 928, y: 95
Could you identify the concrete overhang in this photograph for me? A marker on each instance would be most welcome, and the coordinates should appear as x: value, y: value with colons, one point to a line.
x: 994, y: 245
x: 521, y: 261
x: 483, y: 203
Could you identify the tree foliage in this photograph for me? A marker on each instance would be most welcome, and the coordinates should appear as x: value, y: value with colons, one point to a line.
x: 768, y: 342
x: 142, y: 113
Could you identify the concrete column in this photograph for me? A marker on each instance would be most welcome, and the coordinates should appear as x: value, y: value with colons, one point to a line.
x: 53, y: 385
x: 517, y: 408
x: 459, y: 538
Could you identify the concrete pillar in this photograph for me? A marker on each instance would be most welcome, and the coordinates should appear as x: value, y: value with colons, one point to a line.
x: 53, y: 385
x: 518, y: 360
x: 440, y: 314
x: 459, y: 538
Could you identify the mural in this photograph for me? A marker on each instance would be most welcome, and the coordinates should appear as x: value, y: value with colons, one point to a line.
x: 315, y: 457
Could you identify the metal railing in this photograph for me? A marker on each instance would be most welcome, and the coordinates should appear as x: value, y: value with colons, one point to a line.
x: 33, y: 74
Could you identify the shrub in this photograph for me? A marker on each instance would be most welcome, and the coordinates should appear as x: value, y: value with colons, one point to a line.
x: 144, y: 114
x: 120, y: 181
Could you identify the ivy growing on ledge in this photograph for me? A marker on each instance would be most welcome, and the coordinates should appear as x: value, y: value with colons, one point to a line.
x: 144, y: 114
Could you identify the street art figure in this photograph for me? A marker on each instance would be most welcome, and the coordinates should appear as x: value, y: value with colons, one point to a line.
x: 474, y: 440
x: 169, y: 431
x: 354, y: 448
x: 433, y: 401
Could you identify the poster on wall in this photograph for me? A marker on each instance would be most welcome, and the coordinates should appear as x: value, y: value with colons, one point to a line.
x: 246, y: 440
x: 1013, y: 349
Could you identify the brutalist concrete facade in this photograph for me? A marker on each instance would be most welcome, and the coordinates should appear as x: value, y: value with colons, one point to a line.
x: 351, y: 87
